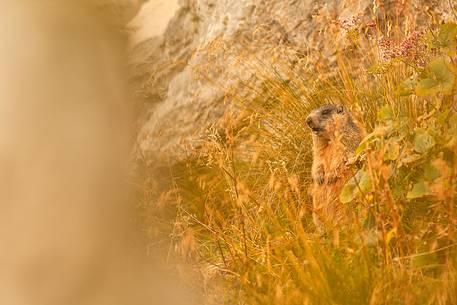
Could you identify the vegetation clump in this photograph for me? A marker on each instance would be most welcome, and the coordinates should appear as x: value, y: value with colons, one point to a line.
x: 241, y: 208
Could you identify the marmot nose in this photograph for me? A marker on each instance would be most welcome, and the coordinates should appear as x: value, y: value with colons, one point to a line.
x: 310, y: 122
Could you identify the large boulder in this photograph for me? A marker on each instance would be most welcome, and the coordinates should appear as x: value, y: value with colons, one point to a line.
x: 211, y: 49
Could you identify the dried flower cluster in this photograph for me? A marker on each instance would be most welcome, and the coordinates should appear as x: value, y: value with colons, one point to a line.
x: 388, y: 50
x: 411, y: 49
x: 348, y: 24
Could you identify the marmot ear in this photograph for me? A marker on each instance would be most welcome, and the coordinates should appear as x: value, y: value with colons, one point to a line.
x: 339, y: 109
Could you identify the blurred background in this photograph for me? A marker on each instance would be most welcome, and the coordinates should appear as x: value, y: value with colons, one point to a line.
x: 66, y: 223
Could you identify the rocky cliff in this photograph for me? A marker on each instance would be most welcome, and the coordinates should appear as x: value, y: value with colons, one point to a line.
x: 211, y: 49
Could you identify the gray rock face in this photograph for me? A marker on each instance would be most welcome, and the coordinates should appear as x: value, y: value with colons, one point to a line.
x: 180, y: 73
x: 152, y: 19
x: 212, y: 48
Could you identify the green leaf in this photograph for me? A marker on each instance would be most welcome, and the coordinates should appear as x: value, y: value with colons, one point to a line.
x: 398, y: 190
x: 423, y: 141
x: 444, y: 73
x: 385, y: 114
x: 348, y: 193
x: 363, y: 180
x: 361, y: 148
x: 392, y: 151
x: 370, y: 138
x: 391, y: 234
x: 406, y: 87
x: 357, y: 185
x: 443, y: 117
x: 427, y: 86
x: 424, y: 259
x: 419, y: 190
x: 438, y: 77
x: 431, y: 172
x: 446, y: 38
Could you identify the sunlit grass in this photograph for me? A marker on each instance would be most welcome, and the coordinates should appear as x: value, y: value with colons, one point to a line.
x: 241, y: 208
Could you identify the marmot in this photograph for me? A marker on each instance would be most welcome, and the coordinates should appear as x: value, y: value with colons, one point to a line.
x: 336, y: 136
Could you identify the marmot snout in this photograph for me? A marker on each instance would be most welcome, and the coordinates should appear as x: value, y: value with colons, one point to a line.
x: 318, y: 118
x: 335, y: 138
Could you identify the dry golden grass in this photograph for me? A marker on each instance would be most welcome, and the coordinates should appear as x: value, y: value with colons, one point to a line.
x: 240, y: 209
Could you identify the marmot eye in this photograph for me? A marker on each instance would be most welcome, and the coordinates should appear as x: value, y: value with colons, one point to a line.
x: 340, y: 109
x: 326, y: 111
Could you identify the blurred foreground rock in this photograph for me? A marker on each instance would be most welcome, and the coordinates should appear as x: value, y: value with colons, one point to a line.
x: 66, y: 233
x: 120, y: 12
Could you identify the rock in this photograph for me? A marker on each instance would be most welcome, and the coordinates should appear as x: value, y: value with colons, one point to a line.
x: 66, y: 229
x: 152, y: 19
x: 212, y: 49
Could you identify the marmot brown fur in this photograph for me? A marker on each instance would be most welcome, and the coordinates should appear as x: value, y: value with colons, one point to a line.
x: 336, y: 136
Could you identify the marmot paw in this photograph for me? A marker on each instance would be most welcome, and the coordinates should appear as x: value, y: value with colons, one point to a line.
x: 320, y: 178
x: 332, y: 179
x: 319, y: 175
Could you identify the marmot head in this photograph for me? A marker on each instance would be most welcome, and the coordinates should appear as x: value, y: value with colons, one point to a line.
x: 325, y: 120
